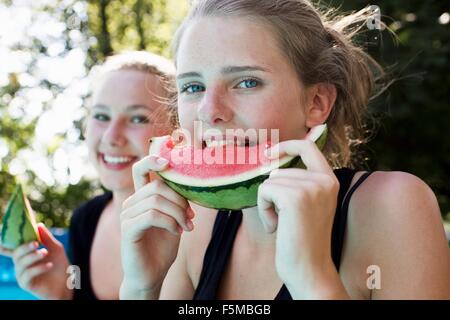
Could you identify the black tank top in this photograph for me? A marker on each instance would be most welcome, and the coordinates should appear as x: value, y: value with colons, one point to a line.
x: 83, y: 225
x: 227, y: 224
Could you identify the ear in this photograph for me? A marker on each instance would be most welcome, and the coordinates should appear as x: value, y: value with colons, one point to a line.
x: 320, y: 101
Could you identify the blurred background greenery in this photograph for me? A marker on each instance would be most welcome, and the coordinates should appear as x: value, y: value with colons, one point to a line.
x: 48, y: 46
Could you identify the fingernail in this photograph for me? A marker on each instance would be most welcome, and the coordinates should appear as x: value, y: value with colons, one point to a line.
x: 32, y: 245
x: 161, y: 161
x: 267, y: 152
x: 190, y: 225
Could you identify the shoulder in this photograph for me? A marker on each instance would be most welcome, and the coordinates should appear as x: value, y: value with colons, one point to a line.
x: 395, y: 223
x: 395, y: 196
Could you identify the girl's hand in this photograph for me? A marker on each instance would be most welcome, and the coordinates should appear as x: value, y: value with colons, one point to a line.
x: 152, y: 221
x: 43, y: 271
x: 300, y: 205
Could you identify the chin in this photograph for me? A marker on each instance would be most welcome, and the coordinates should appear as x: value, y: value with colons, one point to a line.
x: 116, y: 184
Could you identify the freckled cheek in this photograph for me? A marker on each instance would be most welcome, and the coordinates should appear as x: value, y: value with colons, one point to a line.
x: 266, y: 113
x: 139, y: 139
x: 277, y: 113
x: 187, y: 116
x: 93, y: 138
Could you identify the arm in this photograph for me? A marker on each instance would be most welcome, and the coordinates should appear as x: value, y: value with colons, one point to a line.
x: 184, y: 274
x: 178, y: 285
x: 401, y: 229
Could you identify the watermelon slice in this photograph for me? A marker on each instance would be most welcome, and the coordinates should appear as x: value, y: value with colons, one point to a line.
x: 230, y: 183
x: 19, y: 222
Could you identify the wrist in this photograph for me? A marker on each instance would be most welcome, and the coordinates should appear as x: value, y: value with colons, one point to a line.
x: 67, y: 294
x: 317, y: 283
x: 130, y: 292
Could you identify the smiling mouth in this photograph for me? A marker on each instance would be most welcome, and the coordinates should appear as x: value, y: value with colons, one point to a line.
x: 117, y: 160
x: 232, y: 142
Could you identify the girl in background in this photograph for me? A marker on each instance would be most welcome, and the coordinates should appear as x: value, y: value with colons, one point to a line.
x: 126, y: 108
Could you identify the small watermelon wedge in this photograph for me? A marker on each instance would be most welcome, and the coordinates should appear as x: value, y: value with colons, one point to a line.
x: 19, y: 222
x: 222, y: 185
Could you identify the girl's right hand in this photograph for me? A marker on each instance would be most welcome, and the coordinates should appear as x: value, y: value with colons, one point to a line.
x: 43, y: 271
x: 152, y: 220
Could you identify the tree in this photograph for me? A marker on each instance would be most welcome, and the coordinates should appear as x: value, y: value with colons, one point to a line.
x: 414, y: 113
x: 73, y: 36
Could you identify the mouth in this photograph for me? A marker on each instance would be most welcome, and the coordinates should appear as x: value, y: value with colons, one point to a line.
x: 218, y: 142
x: 117, y: 162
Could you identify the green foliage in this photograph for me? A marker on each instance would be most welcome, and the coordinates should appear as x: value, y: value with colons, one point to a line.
x: 133, y: 24
x: 413, y: 114
x: 108, y: 27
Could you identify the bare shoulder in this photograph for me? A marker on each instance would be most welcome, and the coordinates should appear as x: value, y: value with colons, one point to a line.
x: 397, y: 197
x: 194, y: 243
x: 394, y: 223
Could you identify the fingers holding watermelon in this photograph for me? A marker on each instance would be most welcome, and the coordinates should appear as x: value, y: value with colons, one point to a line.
x: 42, y: 271
x: 152, y: 220
x: 299, y: 204
x: 24, y: 250
x: 26, y: 261
x: 4, y: 251
x: 27, y: 279
x: 309, y: 152
x: 143, y: 167
x: 156, y: 211
x: 157, y: 186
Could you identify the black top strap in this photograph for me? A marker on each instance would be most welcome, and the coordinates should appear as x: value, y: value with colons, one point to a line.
x: 227, y: 224
x: 340, y: 220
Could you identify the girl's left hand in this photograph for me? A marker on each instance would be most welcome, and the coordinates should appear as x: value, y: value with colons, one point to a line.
x: 300, y: 205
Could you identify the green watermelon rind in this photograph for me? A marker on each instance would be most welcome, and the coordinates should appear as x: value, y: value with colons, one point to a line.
x: 233, y: 196
x: 237, y: 195
x: 18, y: 224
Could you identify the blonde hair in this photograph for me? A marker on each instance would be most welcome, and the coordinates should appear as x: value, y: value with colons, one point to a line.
x: 140, y: 61
x: 319, y: 46
x: 146, y: 62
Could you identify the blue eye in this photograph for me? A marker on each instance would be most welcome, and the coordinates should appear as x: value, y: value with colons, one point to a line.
x: 192, y: 88
x: 101, y: 117
x: 248, y: 84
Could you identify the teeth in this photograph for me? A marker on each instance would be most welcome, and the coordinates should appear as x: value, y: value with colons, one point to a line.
x: 221, y: 143
x: 215, y: 144
x: 116, y: 160
x: 239, y: 142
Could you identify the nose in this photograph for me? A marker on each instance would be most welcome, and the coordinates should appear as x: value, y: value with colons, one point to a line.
x: 214, y: 109
x: 115, y: 134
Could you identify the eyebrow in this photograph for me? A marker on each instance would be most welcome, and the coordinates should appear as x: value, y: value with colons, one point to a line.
x: 138, y: 106
x: 224, y: 71
x: 132, y: 107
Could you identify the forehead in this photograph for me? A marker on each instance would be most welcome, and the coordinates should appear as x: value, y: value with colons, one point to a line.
x: 211, y: 42
x: 127, y: 87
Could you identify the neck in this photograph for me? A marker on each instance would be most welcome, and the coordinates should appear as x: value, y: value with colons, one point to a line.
x: 254, y: 229
x: 115, y: 205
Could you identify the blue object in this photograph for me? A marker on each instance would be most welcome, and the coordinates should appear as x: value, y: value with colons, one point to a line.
x: 9, y: 288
